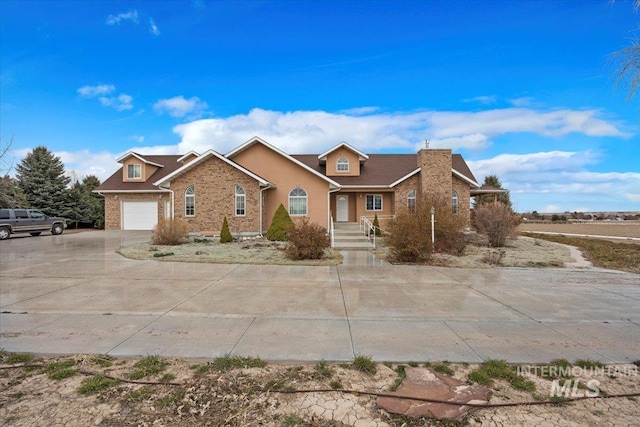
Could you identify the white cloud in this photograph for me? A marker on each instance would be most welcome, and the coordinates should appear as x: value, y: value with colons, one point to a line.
x: 179, y: 106
x: 153, y: 28
x: 552, y: 209
x: 121, y: 102
x: 535, y: 178
x: 92, y: 91
x: 315, y: 131
x: 525, y: 101
x: 484, y: 99
x: 85, y: 162
x: 132, y: 16
x: 138, y: 138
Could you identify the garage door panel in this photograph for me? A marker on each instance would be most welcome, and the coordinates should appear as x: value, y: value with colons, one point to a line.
x: 139, y: 215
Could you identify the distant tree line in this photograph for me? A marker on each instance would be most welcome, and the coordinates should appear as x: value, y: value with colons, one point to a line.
x: 41, y: 183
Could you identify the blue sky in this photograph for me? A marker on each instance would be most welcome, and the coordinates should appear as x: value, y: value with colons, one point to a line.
x: 521, y: 89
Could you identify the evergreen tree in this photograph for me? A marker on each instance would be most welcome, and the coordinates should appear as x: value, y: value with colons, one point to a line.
x: 225, y: 234
x: 41, y: 176
x: 280, y: 224
x: 11, y: 195
x: 83, y: 206
x: 493, y: 181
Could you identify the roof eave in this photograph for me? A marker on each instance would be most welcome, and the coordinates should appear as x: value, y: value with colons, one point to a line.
x: 139, y: 157
x: 465, y: 178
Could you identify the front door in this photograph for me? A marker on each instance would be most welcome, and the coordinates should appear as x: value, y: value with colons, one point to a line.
x: 342, y: 208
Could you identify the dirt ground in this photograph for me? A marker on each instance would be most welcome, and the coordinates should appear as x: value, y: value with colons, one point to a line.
x: 201, y: 393
x: 595, y: 228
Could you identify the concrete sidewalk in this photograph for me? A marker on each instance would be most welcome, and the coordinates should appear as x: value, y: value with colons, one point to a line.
x: 73, y: 294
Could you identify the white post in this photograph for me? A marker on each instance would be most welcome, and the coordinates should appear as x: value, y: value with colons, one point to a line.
x: 433, y: 233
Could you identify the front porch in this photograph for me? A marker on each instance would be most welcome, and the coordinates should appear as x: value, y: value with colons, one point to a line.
x: 350, y: 206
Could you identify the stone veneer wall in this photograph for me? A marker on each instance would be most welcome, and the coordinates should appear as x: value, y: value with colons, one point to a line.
x: 436, y: 177
x: 403, y: 189
x: 464, y: 199
x: 214, y: 183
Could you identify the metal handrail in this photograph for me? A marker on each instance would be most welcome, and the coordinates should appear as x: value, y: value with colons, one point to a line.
x: 333, y: 240
x: 368, y: 228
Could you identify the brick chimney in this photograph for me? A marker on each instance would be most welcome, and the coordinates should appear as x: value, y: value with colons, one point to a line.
x: 435, y: 175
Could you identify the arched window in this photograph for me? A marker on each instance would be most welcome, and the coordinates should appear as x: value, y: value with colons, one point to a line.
x: 342, y: 165
x: 241, y: 199
x: 454, y: 201
x: 190, y: 201
x: 411, y: 200
x: 297, y: 201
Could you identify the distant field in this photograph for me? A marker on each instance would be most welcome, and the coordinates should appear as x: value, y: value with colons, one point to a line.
x: 598, y: 228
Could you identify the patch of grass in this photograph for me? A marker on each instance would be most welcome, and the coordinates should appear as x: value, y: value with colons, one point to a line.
x: 401, y: 376
x: 413, y: 364
x: 557, y: 368
x: 588, y: 364
x: 500, y: 370
x: 364, y: 364
x: 323, y: 369
x: 102, y: 360
x: 146, y: 367
x: 172, y: 398
x: 636, y: 362
x: 167, y: 378
x: 293, y: 420
x: 162, y: 254
x: 15, y: 358
x: 227, y: 363
x: 443, y: 368
x: 602, y: 253
x: 559, y: 400
x: 139, y: 395
x: 96, y: 384
x: 60, y: 370
x: 200, y: 369
x: 336, y: 385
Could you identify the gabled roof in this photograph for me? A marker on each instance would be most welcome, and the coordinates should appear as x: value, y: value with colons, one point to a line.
x: 381, y: 170
x: 461, y: 170
x: 115, y: 184
x: 144, y: 159
x: 304, y: 165
x: 190, y: 153
x: 361, y: 155
x: 202, y: 158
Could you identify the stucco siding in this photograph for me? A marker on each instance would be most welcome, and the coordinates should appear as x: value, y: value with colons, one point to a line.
x: 332, y: 159
x: 286, y: 175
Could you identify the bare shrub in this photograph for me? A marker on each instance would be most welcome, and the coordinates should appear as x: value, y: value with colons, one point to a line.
x: 170, y: 232
x: 307, y: 240
x: 497, y: 221
x: 493, y: 257
x: 410, y: 232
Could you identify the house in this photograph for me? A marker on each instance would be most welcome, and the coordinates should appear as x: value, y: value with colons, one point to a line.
x: 249, y: 183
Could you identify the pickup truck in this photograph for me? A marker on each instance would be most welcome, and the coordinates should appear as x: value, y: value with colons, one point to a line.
x: 29, y: 221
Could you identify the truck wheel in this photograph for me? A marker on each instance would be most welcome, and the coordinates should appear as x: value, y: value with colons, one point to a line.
x: 35, y: 233
x: 57, y: 229
x: 4, y: 233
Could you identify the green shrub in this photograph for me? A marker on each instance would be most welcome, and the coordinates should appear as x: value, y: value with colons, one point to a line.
x: 171, y: 232
x: 307, y: 240
x: 376, y: 226
x: 225, y: 234
x: 364, y: 364
x: 280, y: 224
x: 497, y: 221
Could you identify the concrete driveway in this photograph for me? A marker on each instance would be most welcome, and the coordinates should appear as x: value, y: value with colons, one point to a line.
x: 74, y: 294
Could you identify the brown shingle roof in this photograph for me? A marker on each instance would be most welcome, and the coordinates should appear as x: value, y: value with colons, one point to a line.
x: 114, y: 182
x: 383, y: 169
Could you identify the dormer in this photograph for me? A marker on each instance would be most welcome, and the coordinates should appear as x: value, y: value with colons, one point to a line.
x: 342, y: 160
x: 188, y: 158
x: 136, y: 168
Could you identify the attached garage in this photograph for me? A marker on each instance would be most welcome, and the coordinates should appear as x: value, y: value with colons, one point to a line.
x: 139, y: 215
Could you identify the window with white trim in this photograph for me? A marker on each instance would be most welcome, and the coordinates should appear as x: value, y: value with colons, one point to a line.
x: 134, y: 171
x: 411, y: 200
x: 241, y: 199
x: 374, y: 202
x: 342, y: 165
x: 454, y: 201
x: 190, y: 201
x: 298, y: 201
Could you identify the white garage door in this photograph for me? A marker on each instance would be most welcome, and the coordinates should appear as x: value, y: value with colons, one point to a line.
x: 139, y: 215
